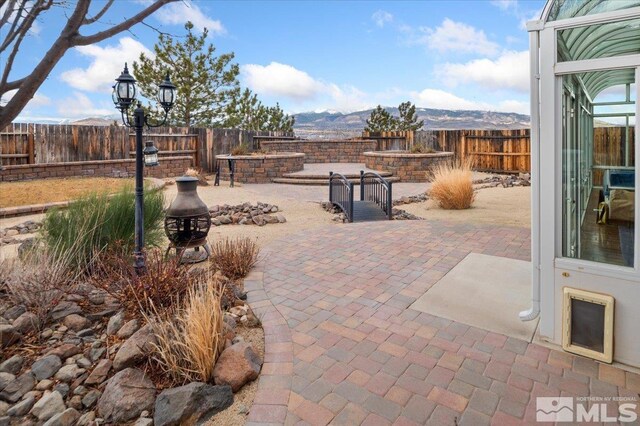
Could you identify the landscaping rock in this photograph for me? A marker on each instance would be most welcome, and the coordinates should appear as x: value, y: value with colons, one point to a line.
x: 69, y: 372
x: 191, y: 404
x: 21, y: 408
x: 115, y: 322
x: 13, y: 365
x: 75, y: 402
x: 62, y: 389
x: 128, y: 329
x: 99, y: 374
x: 5, y: 379
x: 68, y: 417
x: 44, y: 385
x: 48, y: 406
x: 5, y: 421
x: 4, y: 407
x: 107, y: 312
x: 8, y: 335
x: 86, y: 419
x: 143, y: 421
x: 65, y: 351
x: 15, y: 390
x: 237, y: 365
x: 91, y: 398
x: 46, y: 367
x: 63, y: 309
x: 14, y: 312
x: 126, y: 395
x: 76, y: 322
x: 135, y: 349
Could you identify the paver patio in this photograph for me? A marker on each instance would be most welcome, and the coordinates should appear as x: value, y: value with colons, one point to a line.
x: 342, y: 345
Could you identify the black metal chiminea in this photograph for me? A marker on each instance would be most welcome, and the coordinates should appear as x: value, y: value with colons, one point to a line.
x: 187, y: 220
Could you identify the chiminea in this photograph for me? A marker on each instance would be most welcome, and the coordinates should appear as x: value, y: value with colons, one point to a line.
x: 187, y: 220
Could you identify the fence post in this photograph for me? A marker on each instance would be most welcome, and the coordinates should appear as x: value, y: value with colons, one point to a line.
x: 330, y: 187
x: 390, y: 201
x: 30, y: 145
x: 351, y: 202
x: 361, y: 185
x: 463, y: 147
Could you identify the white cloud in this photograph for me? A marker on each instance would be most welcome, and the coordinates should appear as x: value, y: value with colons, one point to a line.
x: 381, y: 17
x: 440, y: 99
x: 106, y: 66
x: 79, y: 105
x: 38, y: 99
x: 281, y: 80
x: 509, y: 71
x: 451, y: 36
x: 183, y: 11
x: 505, y: 4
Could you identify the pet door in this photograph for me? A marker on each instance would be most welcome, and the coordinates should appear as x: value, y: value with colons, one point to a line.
x: 587, y: 319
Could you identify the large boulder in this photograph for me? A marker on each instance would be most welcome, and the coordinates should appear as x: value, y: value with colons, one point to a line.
x: 26, y: 323
x: 135, y: 349
x: 237, y: 365
x: 191, y: 404
x: 126, y: 395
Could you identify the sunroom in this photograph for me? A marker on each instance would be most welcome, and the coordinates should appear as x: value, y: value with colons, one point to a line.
x: 585, y: 65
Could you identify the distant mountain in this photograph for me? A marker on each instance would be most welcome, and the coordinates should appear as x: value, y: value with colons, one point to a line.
x: 434, y: 119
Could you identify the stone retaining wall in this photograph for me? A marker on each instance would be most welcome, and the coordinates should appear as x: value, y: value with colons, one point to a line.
x: 261, y: 168
x: 405, y: 165
x: 169, y: 166
x: 324, y: 151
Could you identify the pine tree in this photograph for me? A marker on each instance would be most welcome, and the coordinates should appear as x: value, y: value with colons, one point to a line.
x: 246, y: 112
x: 381, y: 121
x: 408, y: 118
x: 205, y: 83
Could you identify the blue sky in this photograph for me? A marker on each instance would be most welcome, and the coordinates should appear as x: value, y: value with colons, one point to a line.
x: 311, y: 56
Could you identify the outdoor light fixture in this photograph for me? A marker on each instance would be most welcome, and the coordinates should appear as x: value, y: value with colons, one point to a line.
x: 150, y: 154
x: 123, y: 96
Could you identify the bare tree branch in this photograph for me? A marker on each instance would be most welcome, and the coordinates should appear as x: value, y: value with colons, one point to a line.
x: 69, y: 37
x: 88, y: 21
x: 7, y: 12
x: 80, y: 40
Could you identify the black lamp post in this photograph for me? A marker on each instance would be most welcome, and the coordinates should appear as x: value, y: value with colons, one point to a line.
x: 124, y: 95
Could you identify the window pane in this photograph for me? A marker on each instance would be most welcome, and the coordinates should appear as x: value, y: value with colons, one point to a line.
x: 563, y: 9
x: 599, y: 41
x: 598, y: 170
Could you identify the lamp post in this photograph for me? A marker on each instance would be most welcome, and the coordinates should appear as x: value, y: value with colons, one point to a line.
x: 124, y: 95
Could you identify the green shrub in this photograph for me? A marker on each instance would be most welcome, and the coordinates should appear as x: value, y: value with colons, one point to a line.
x: 98, y: 222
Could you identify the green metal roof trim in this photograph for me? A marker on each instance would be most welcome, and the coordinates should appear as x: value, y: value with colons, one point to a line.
x: 599, y: 41
x: 565, y: 9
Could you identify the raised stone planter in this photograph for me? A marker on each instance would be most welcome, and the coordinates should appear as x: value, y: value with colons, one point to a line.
x: 261, y: 168
x: 324, y: 151
x: 405, y: 165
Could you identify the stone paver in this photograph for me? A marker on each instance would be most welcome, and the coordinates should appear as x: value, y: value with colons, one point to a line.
x: 342, y: 345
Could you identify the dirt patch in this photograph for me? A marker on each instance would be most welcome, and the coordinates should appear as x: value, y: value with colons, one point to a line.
x: 497, y: 206
x: 42, y: 191
x: 236, y: 415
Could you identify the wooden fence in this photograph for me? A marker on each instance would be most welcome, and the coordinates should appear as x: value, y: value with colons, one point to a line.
x: 609, y: 149
x: 391, y: 140
x: 48, y: 143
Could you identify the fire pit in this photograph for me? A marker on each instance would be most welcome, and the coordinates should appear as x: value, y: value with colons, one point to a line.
x: 187, y: 221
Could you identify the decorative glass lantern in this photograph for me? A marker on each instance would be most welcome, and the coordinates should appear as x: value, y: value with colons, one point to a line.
x: 150, y: 154
x: 124, y: 90
x: 166, y: 93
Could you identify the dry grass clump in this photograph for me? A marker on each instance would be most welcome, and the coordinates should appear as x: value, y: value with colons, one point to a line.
x: 234, y: 258
x: 190, y: 334
x: 421, y: 149
x: 38, y: 281
x: 197, y: 173
x: 242, y: 149
x: 156, y: 289
x: 452, y: 185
